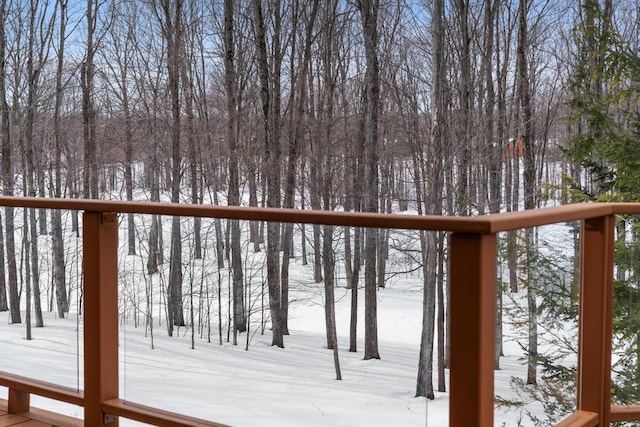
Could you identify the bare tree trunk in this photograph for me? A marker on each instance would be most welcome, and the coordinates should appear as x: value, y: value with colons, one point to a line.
x: 314, y: 196
x: 59, y: 271
x: 4, y: 304
x: 254, y: 226
x: 40, y: 179
x: 357, y: 176
x: 353, y: 323
x: 270, y: 96
x: 510, y: 153
x: 424, y: 383
x: 428, y: 179
x: 170, y: 18
x: 233, y: 198
x: 466, y: 92
x: 187, y: 78
x: 128, y: 182
x: 27, y: 276
x: 429, y: 252
x: 35, y: 270
x: 369, y: 14
x: 383, y: 234
x: 492, y: 152
x: 128, y: 160
x: 528, y: 138
x: 441, y: 313
x: 329, y: 284
x: 7, y: 175
x: 352, y: 261
x: 295, y: 117
x: 348, y: 253
x: 329, y: 299
x: 155, y: 248
x: 303, y: 229
x: 14, y: 296
x: 87, y: 72
x: 36, y: 57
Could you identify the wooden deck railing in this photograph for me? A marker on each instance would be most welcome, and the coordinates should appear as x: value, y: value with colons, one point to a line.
x: 473, y: 254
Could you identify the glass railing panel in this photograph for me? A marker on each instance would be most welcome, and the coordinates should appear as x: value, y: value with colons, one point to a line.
x: 625, y: 358
x: 538, y: 277
x: 43, y: 264
x: 210, y: 369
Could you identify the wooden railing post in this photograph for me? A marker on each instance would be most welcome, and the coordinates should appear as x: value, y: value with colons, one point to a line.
x: 100, y: 268
x: 595, y: 317
x: 18, y: 402
x: 473, y: 290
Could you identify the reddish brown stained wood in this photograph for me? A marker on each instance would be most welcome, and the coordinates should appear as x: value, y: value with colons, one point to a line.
x: 595, y: 317
x: 100, y: 267
x: 32, y: 423
x: 486, y: 224
x: 41, y: 388
x: 473, y: 288
x: 11, y: 420
x: 18, y: 401
x: 625, y: 413
x: 154, y: 416
x: 579, y: 419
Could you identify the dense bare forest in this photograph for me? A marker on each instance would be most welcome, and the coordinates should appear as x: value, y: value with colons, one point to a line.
x: 435, y: 107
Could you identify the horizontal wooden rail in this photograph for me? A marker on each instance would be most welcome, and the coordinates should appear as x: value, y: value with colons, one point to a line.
x: 580, y: 419
x: 485, y: 224
x: 41, y: 388
x: 154, y: 416
x: 475, y: 225
x: 625, y: 413
x: 41, y: 417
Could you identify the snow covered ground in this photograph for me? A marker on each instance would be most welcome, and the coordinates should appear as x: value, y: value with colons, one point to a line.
x: 264, y: 386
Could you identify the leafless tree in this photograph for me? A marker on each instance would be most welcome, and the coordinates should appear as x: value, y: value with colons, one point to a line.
x: 233, y: 197
x: 269, y: 76
x: 433, y: 205
x: 8, y: 180
x: 87, y: 72
x: 296, y: 123
x: 529, y: 143
x: 40, y: 29
x: 119, y: 59
x: 369, y: 14
x: 170, y: 16
x: 59, y: 273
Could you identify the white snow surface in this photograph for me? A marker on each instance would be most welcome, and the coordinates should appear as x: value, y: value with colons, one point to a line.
x: 265, y: 386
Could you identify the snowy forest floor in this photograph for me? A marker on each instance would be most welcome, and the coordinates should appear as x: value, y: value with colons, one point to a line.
x: 265, y: 386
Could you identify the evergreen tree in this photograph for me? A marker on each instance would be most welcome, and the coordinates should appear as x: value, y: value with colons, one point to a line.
x: 603, y: 88
x: 590, y: 102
